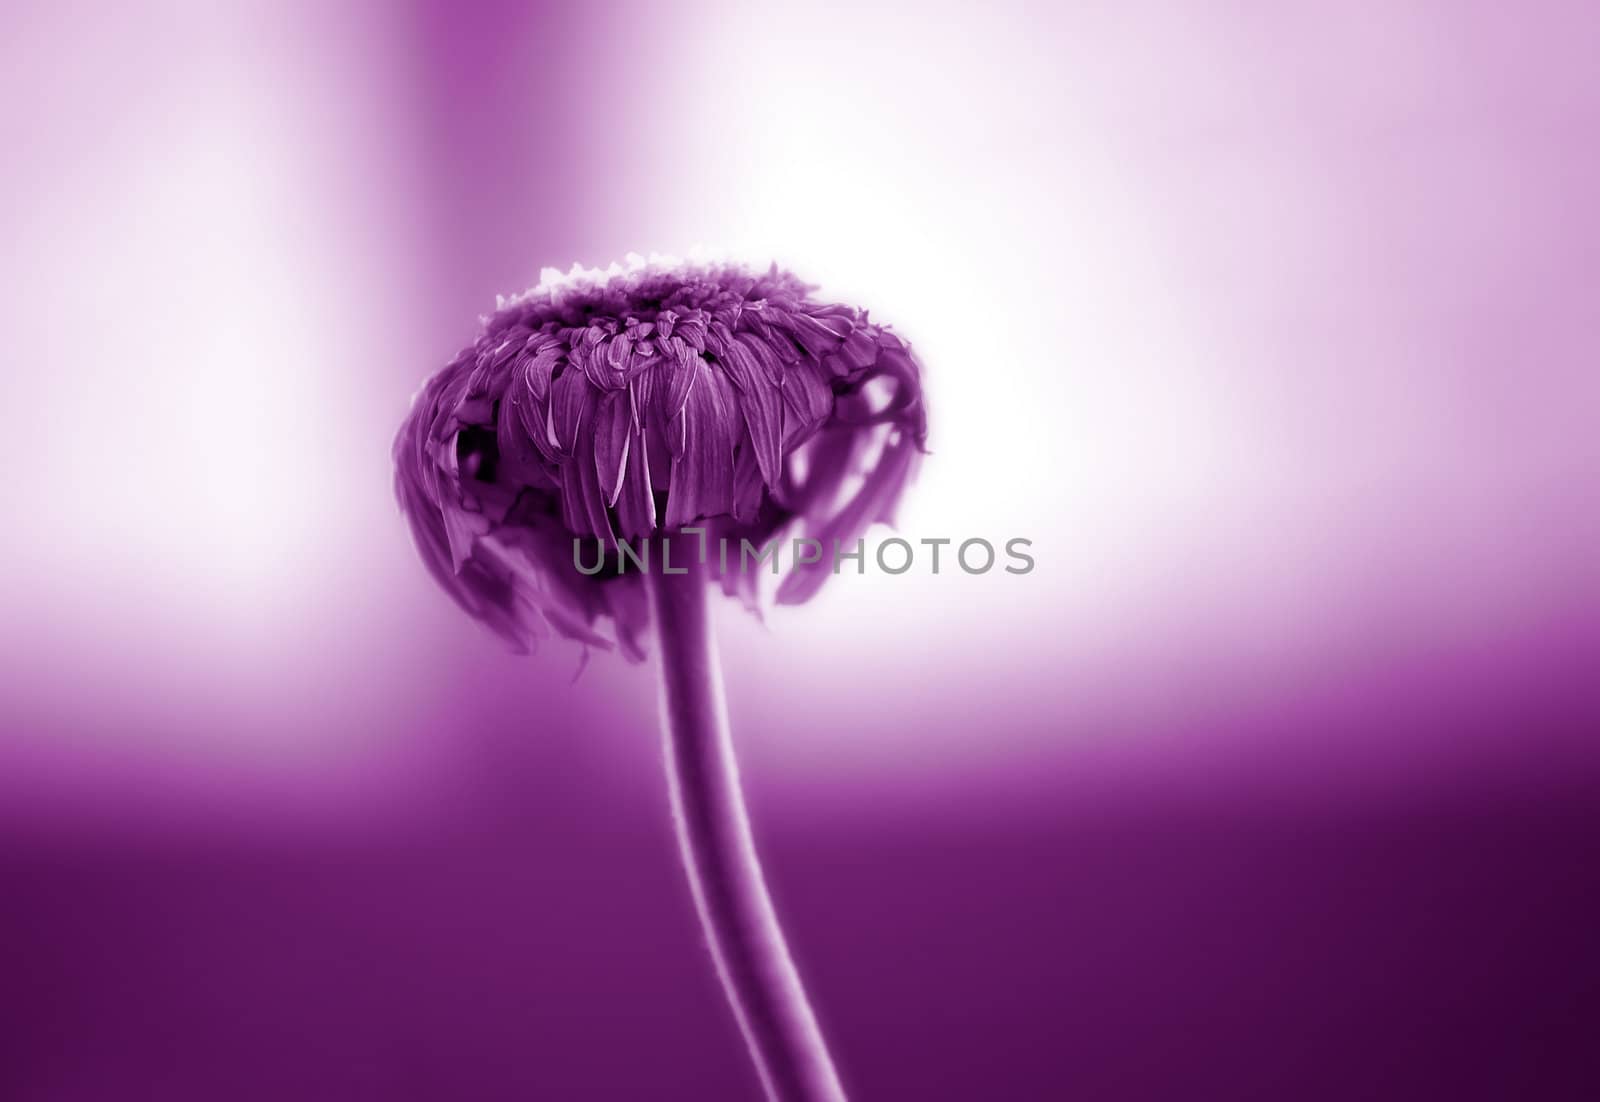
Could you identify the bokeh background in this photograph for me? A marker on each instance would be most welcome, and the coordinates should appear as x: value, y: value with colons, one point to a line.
x: 1274, y: 327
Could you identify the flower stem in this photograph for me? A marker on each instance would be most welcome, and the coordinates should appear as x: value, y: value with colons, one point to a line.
x: 718, y: 851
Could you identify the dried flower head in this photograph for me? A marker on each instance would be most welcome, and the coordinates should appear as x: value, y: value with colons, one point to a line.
x: 616, y: 404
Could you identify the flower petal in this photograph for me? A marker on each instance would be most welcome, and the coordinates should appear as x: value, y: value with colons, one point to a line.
x: 636, y: 505
x: 761, y: 406
x: 571, y: 398
x: 702, y: 474
x: 613, y: 426
x: 582, y: 501
x: 878, y: 490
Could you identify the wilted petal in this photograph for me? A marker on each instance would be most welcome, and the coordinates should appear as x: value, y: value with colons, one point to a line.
x: 571, y: 398
x: 807, y: 395
x: 613, y: 426
x: 538, y: 368
x: 677, y: 377
x: 519, y: 450
x: 749, y: 484
x: 876, y: 494
x: 702, y: 473
x: 859, y: 349
x: 636, y: 504
x: 619, y: 353
x: 771, y: 364
x: 816, y: 338
x: 761, y: 407
x: 691, y: 330
x: 583, y: 502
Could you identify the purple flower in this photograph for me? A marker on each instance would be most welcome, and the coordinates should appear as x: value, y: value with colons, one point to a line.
x: 615, y: 405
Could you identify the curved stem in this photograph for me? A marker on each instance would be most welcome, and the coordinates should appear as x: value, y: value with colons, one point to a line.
x: 718, y: 852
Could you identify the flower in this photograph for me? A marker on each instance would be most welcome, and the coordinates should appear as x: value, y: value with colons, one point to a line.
x: 617, y: 404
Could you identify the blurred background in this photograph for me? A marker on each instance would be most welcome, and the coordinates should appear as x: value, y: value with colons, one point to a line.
x: 1274, y: 330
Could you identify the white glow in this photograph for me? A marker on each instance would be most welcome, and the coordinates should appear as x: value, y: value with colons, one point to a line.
x: 169, y: 321
x: 950, y: 174
x: 193, y: 320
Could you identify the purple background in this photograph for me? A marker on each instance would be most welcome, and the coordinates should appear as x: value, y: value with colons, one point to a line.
x: 1274, y: 331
